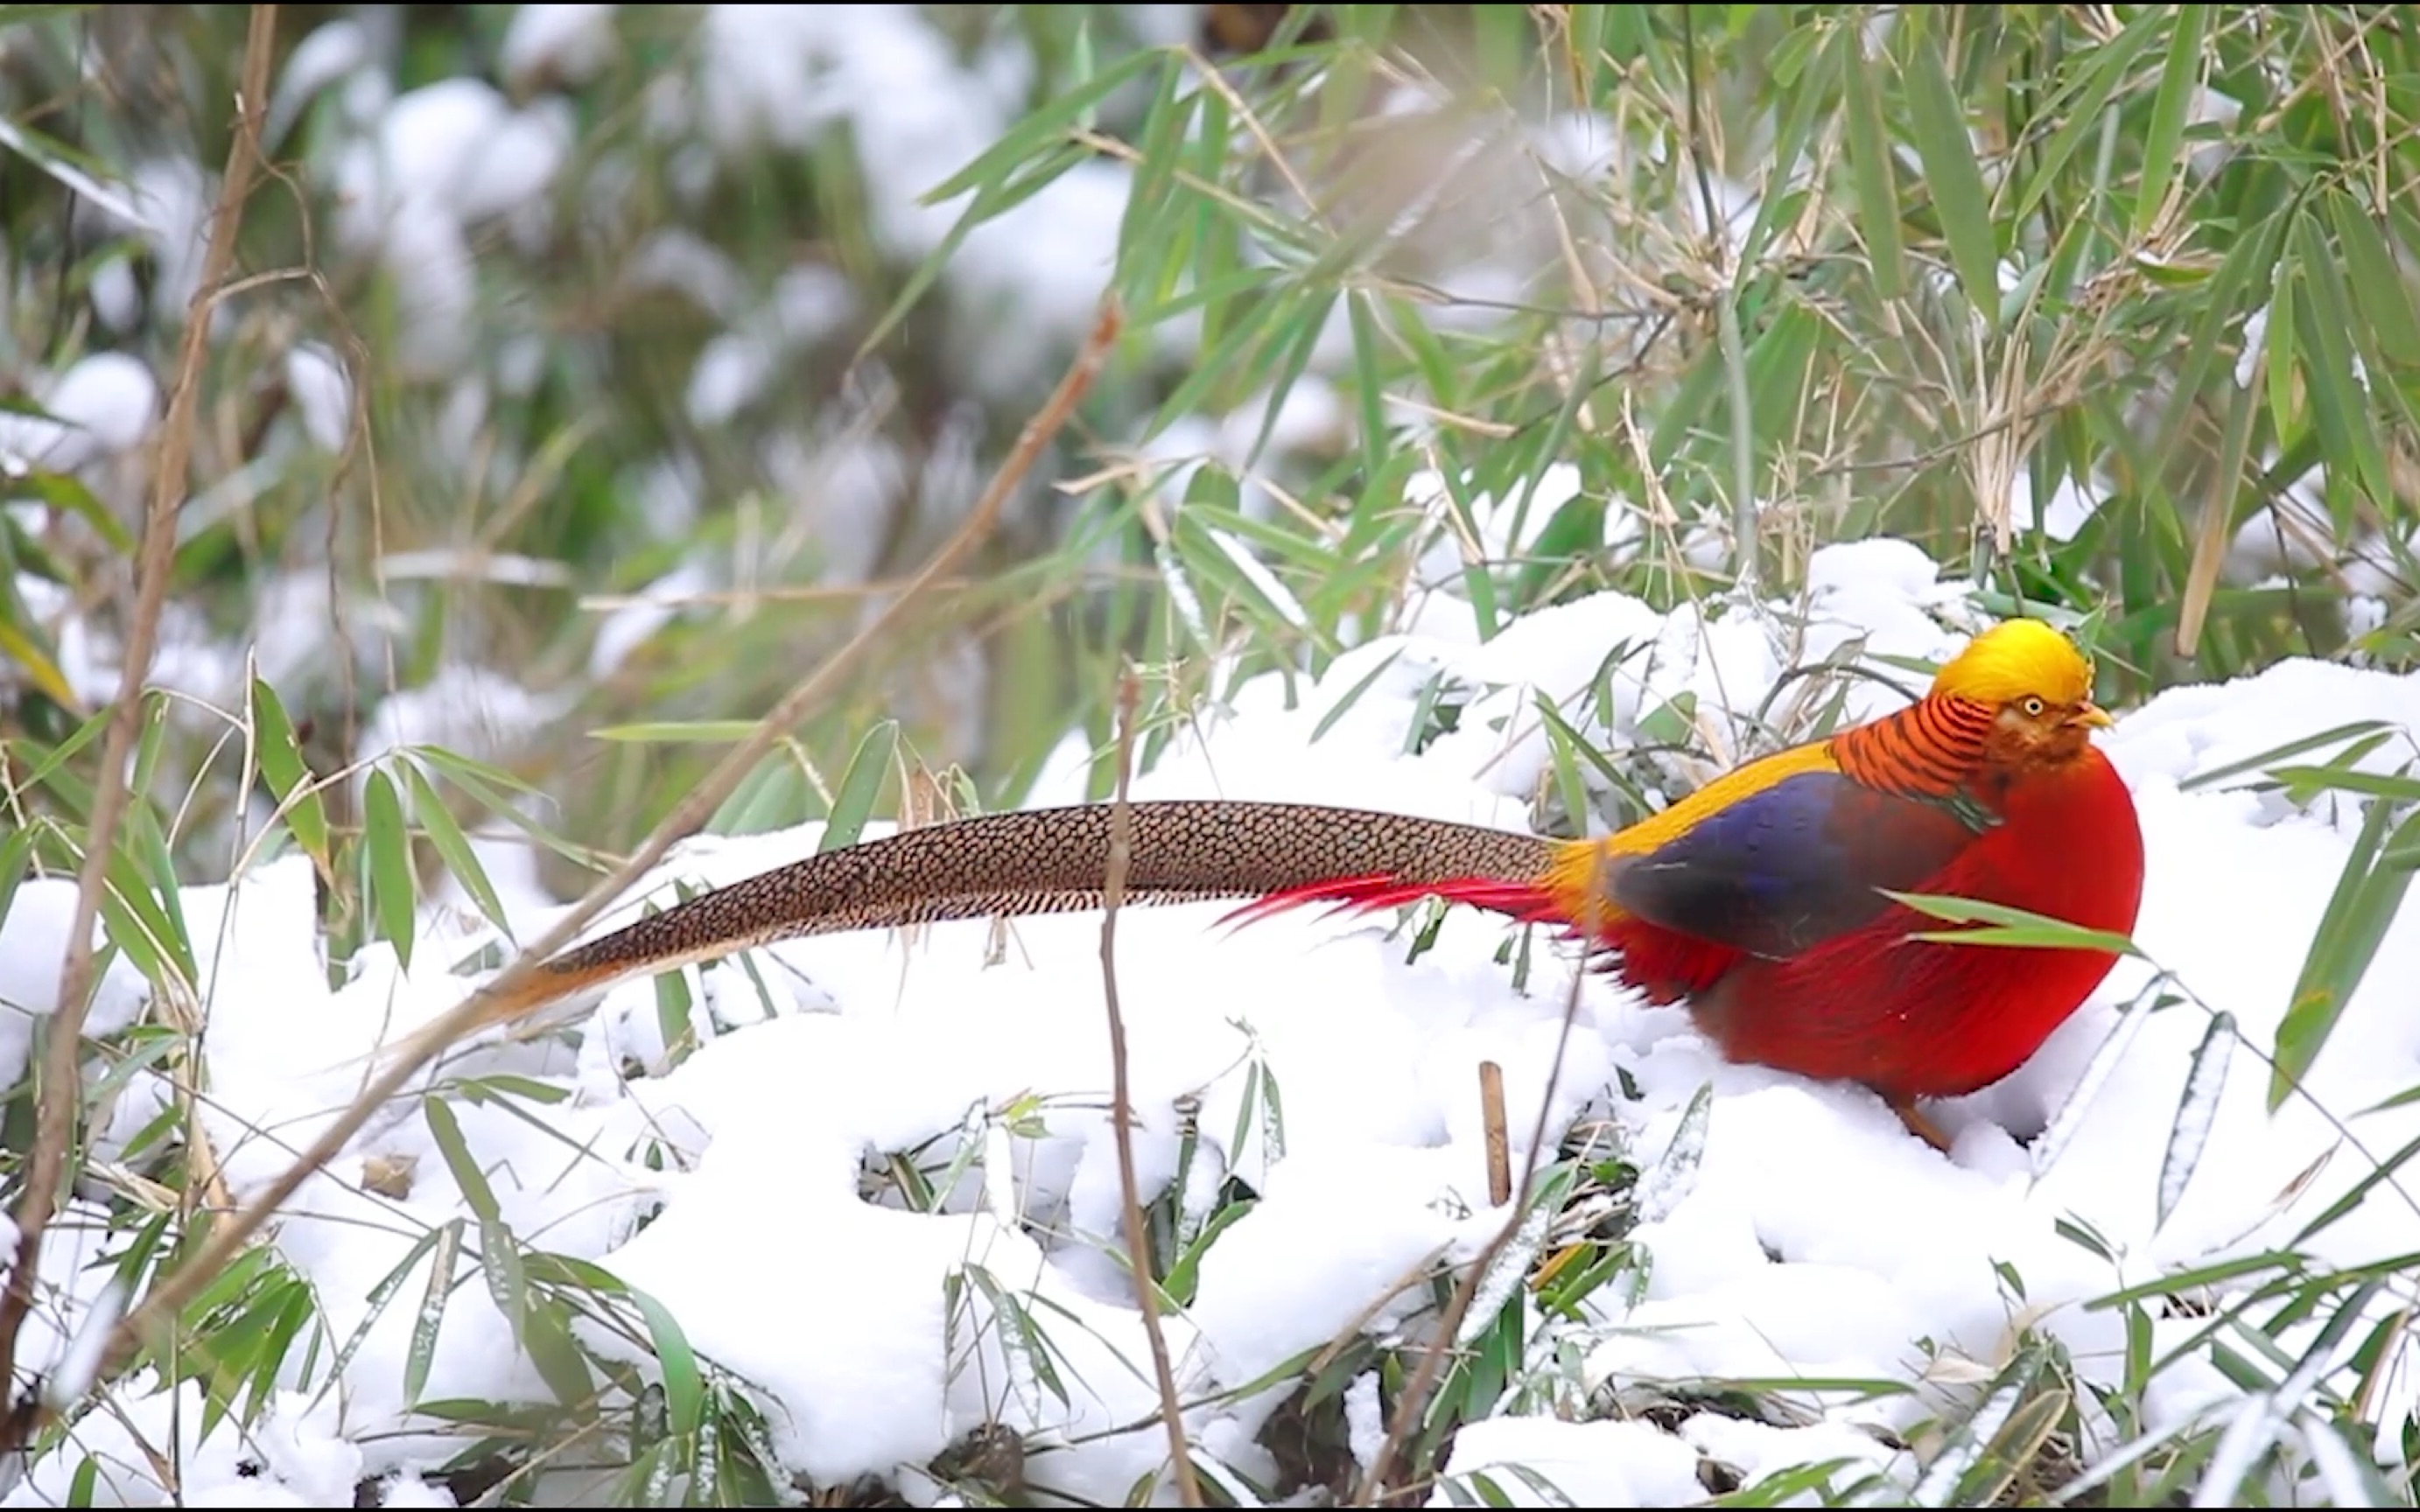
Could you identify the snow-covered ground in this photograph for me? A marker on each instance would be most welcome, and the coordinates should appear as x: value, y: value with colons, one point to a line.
x: 1812, y: 1236
x: 1797, y: 1233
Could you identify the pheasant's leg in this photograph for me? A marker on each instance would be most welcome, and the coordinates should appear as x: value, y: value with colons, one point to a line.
x: 1920, y: 1126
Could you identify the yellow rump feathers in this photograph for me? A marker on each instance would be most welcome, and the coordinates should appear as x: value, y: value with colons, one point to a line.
x: 2014, y: 660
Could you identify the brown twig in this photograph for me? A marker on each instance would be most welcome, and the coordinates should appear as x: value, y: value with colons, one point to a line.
x: 1114, y: 888
x: 61, y: 1083
x: 1411, y: 1407
x: 1499, y: 1138
x: 473, y: 1011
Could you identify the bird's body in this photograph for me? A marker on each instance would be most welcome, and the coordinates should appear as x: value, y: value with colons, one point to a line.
x: 1760, y: 897
x: 1758, y: 900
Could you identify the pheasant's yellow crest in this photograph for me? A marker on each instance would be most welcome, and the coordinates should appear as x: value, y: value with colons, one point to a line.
x: 2014, y: 660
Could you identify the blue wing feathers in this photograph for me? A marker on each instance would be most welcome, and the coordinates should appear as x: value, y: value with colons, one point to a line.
x: 1795, y: 864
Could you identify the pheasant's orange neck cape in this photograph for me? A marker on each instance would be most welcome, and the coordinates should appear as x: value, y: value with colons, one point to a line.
x: 1758, y: 900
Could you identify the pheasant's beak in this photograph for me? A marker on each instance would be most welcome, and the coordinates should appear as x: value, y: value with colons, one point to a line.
x: 2090, y: 714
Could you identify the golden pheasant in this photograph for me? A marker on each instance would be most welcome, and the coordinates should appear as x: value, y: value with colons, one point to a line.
x: 1759, y: 898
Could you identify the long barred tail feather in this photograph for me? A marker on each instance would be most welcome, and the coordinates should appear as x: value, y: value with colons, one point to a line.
x: 1056, y: 860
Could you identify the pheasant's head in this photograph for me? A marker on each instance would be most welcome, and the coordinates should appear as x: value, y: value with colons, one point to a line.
x: 2038, y: 685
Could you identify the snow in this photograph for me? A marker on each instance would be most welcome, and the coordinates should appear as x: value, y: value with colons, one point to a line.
x: 440, y: 159
x: 104, y: 405
x: 1579, y: 1464
x: 1810, y: 1236
x: 571, y: 41
x: 1794, y: 1230
x: 33, y: 948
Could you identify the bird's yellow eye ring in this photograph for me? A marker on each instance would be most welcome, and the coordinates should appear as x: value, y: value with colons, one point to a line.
x: 2032, y: 708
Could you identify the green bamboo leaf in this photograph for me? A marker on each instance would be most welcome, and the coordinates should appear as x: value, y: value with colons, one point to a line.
x: 2080, y: 112
x: 991, y: 202
x: 16, y: 854
x: 144, y: 947
x: 672, y: 1004
x: 1870, y: 157
x: 296, y: 1310
x: 131, y: 905
x: 1185, y: 1276
x: 545, y: 1333
x: 1147, y: 225
x: 492, y: 788
x: 2223, y: 302
x: 2302, y: 784
x: 2178, y: 81
x: 1017, y: 147
x: 773, y: 796
x: 279, y: 753
x: 1808, y: 89
x: 1239, y: 341
x: 853, y: 802
x: 2378, y: 287
x: 1021, y: 164
x: 1301, y: 342
x: 2367, y: 896
x: 2286, y: 410
x: 145, y: 852
x: 2379, y: 1175
x: 1369, y: 378
x: 454, y: 847
x: 678, y: 732
x: 49, y: 765
x: 446, y: 1131
x: 386, y: 847
x: 20, y: 645
x: 2339, y: 405
x: 388, y: 1288
x: 1937, y: 120
x: 2216, y: 1274
x: 684, y: 1383
x: 507, y: 1281
x: 66, y: 493
x: 2010, y: 926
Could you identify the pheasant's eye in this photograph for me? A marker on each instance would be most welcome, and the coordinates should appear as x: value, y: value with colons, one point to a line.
x: 2032, y: 708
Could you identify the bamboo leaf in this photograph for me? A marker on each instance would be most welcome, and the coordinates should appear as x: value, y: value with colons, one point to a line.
x: 678, y: 732
x: 2010, y: 926
x: 454, y: 848
x: 387, y: 847
x: 19, y: 645
x: 1808, y: 90
x: 2367, y: 896
x: 1938, y: 123
x: 1870, y: 157
x: 2379, y: 285
x: 853, y: 802
x: 66, y: 493
x: 2355, y: 730
x: 446, y: 1132
x: 2339, y: 404
x: 2197, y: 1112
x: 2284, y: 372
x: 2082, y: 113
x: 2179, y: 82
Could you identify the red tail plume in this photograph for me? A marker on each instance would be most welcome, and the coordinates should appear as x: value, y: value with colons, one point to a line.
x: 1528, y: 903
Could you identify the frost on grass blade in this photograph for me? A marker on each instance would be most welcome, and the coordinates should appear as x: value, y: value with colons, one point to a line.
x: 81, y: 1365
x: 2197, y: 1111
x: 1505, y: 1274
x: 1673, y: 1177
x: 2096, y: 1071
x: 2248, y: 1436
x: 1945, y: 1478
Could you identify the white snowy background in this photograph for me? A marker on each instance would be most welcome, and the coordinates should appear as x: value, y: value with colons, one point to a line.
x: 1799, y: 1233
